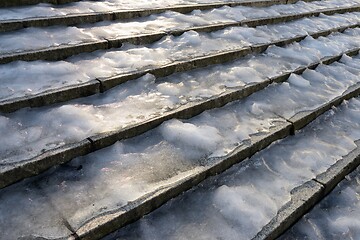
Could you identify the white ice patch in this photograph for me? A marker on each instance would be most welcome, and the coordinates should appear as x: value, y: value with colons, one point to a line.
x: 186, y: 134
x: 298, y: 81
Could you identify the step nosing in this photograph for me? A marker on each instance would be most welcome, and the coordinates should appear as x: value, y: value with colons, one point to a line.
x: 276, y: 228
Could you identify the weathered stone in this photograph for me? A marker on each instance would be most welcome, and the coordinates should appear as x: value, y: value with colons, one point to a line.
x: 54, y: 53
x: 339, y: 170
x: 51, y: 96
x: 12, y: 173
x: 301, y: 119
x: 303, y: 198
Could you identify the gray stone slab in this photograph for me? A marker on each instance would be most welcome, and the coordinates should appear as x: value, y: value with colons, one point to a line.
x: 177, y: 66
x: 307, y: 196
x: 15, y: 172
x: 211, y: 59
x: 136, y: 40
x: 11, y: 173
x: 51, y: 96
x: 302, y: 199
x: 265, y: 3
x: 15, y: 3
x: 54, y: 53
x: 65, y: 51
x: 303, y: 118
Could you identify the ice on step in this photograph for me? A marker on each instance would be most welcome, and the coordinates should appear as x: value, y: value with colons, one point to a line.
x: 40, y: 38
x: 46, y: 10
x: 50, y: 127
x: 239, y: 202
x: 108, y: 179
x: 28, y: 78
x: 25, y: 213
x: 335, y: 217
x: 20, y: 78
x: 178, y: 148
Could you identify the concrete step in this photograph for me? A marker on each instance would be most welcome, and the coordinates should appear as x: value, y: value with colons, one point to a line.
x: 53, y: 49
x: 160, y: 65
x: 97, y: 194
x: 72, y: 16
x: 19, y: 161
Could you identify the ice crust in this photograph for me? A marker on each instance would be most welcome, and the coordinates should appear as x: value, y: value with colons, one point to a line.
x: 107, y: 179
x: 111, y: 177
x: 33, y: 131
x: 39, y: 38
x: 335, y: 217
x: 47, y: 10
x: 239, y: 202
x: 130, y: 168
x: 28, y: 78
x: 25, y: 213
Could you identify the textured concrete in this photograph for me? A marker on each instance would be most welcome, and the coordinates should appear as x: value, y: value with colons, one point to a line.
x: 301, y: 119
x: 54, y: 53
x: 15, y: 3
x: 51, y: 96
x: 26, y: 214
x: 34, y: 216
x: 11, y: 173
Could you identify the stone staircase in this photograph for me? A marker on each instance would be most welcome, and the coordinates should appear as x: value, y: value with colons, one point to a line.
x: 177, y: 120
